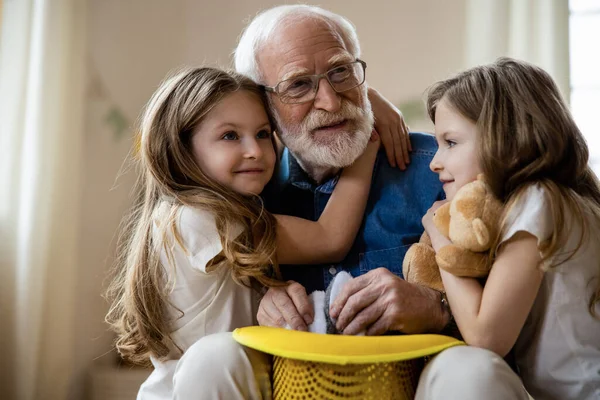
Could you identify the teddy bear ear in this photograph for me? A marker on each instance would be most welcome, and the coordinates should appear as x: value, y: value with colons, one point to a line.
x: 480, y: 177
x: 481, y: 232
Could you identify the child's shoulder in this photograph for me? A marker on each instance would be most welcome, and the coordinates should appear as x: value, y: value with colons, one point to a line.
x: 530, y: 213
x: 184, y: 216
x: 196, y: 217
x: 196, y: 227
x: 533, y: 195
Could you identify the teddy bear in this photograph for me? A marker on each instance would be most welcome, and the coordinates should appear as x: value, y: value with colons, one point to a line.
x: 471, y: 221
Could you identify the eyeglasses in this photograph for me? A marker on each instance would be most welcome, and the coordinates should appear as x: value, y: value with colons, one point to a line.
x: 303, y: 89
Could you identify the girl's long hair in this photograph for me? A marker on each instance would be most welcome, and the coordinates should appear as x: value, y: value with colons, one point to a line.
x: 528, y: 136
x: 170, y: 178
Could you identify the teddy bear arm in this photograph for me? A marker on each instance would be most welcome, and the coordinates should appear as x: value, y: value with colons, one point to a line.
x: 419, y: 266
x: 462, y: 262
x: 416, y: 250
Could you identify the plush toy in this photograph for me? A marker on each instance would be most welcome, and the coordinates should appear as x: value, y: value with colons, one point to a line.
x: 471, y: 221
x: 322, y: 322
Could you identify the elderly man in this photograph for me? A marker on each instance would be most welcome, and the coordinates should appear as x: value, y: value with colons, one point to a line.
x: 308, y: 59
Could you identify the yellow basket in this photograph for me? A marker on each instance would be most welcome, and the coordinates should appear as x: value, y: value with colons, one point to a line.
x: 317, y: 366
x: 301, y: 380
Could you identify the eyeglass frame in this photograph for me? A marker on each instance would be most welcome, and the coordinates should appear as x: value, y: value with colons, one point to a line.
x: 317, y: 78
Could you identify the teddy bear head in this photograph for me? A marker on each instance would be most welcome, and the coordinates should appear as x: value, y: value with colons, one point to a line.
x: 474, y: 216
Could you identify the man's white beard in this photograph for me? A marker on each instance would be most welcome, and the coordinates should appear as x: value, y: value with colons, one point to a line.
x: 342, y: 148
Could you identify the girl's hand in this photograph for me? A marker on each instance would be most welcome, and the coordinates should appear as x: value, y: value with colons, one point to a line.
x: 374, y: 142
x: 390, y: 125
x: 367, y: 159
x: 437, y: 239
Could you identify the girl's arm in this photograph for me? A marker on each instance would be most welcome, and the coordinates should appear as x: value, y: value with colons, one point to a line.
x: 300, y: 241
x: 492, y: 317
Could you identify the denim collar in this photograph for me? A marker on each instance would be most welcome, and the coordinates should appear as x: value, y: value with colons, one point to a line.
x: 292, y: 173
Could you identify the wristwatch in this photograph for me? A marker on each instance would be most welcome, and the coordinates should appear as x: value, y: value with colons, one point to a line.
x: 445, y: 304
x: 451, y: 329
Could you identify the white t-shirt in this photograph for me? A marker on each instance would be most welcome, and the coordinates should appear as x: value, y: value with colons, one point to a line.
x: 558, y: 350
x: 210, y: 302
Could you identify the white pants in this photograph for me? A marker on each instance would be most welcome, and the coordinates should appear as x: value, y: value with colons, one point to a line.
x: 466, y: 373
x: 217, y: 367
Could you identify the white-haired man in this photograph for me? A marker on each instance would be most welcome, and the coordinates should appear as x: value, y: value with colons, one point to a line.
x: 308, y: 59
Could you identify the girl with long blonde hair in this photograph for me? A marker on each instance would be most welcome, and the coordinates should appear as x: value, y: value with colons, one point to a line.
x: 508, y: 121
x: 199, y: 239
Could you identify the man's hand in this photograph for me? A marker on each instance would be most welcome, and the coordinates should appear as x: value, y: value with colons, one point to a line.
x: 392, y: 129
x: 379, y: 301
x: 286, y: 305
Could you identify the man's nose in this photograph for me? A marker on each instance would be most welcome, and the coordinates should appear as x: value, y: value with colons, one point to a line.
x: 326, y: 98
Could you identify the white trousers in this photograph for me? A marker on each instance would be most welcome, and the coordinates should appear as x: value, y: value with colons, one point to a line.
x: 217, y: 367
x: 469, y: 373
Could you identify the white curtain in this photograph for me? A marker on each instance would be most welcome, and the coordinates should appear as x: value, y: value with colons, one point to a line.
x: 532, y: 30
x: 41, y: 135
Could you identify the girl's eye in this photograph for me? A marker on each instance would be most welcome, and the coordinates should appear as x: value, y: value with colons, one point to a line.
x: 230, y: 136
x: 264, y: 134
x: 450, y: 143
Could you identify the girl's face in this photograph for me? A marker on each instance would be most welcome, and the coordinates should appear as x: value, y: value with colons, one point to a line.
x: 233, y: 146
x: 456, y: 160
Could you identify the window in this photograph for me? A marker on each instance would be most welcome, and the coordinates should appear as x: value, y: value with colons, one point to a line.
x: 584, y: 34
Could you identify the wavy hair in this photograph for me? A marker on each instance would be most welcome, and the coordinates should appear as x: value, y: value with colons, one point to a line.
x: 528, y: 136
x: 169, y: 175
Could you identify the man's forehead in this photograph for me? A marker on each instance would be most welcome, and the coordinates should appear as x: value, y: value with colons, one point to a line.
x: 292, y: 70
x: 302, y: 48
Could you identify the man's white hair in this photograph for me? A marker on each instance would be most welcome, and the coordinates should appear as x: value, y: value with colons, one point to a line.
x: 257, y: 33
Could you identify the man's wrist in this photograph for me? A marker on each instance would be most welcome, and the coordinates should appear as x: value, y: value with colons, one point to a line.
x: 439, y: 316
x: 440, y: 312
x: 446, y: 312
x: 449, y: 327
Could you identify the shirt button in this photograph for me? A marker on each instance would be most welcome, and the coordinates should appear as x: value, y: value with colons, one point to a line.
x: 332, y: 271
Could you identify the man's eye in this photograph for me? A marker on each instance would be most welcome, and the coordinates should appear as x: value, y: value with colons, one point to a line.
x: 230, y: 136
x: 450, y: 143
x: 299, y: 83
x: 340, y: 74
x: 297, y: 87
x: 264, y: 134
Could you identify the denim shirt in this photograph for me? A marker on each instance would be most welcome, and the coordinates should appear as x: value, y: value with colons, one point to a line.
x: 392, y: 221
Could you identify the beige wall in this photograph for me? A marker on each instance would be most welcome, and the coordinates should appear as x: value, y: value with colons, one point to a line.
x: 132, y: 44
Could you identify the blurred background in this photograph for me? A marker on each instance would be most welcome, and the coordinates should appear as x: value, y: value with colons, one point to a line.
x: 74, y: 75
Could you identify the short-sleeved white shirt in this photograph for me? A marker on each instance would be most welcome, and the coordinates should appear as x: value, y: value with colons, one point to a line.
x: 558, y: 349
x: 211, y: 302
